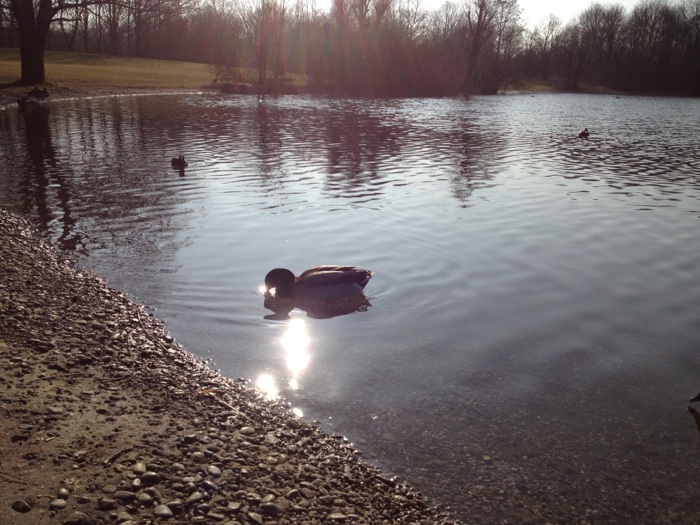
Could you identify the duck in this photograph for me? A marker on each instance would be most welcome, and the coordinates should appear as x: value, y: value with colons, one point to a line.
x: 325, y: 283
x: 38, y: 93
x: 178, y: 162
x: 583, y: 134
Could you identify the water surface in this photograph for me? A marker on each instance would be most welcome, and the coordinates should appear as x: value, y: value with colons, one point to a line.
x: 532, y: 336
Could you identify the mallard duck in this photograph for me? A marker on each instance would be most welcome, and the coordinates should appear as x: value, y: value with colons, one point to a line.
x: 583, y: 134
x: 179, y: 162
x: 322, y: 283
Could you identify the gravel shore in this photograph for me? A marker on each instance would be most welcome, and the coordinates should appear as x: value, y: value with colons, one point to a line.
x: 106, y: 419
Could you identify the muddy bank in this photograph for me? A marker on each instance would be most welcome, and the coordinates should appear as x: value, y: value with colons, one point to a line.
x: 105, y: 419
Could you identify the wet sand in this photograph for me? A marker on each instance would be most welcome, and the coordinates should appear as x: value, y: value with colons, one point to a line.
x: 106, y: 419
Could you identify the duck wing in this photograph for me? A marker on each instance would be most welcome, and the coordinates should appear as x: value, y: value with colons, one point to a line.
x: 330, y: 275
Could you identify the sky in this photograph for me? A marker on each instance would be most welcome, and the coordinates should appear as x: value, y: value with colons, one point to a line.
x: 534, y: 11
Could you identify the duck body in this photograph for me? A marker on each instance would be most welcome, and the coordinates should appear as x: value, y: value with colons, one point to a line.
x: 178, y: 162
x: 38, y: 93
x: 322, y: 283
x: 583, y: 134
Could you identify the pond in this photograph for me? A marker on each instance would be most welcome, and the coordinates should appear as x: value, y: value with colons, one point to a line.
x: 530, y: 337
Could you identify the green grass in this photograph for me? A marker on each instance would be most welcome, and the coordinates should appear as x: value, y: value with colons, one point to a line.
x: 104, y: 72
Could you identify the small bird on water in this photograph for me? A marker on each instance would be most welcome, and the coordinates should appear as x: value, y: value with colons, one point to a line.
x: 583, y: 134
x: 178, y: 162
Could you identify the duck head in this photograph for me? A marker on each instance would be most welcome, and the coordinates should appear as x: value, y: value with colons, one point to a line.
x: 280, y: 279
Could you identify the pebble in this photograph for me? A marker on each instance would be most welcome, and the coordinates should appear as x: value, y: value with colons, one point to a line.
x: 77, y: 518
x: 272, y: 509
x: 107, y: 504
x: 162, y: 511
x: 150, y: 478
x: 256, y: 518
x: 144, y: 499
x: 21, y: 506
x: 124, y: 495
x: 57, y: 504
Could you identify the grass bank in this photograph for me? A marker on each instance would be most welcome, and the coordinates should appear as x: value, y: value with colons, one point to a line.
x: 86, y: 70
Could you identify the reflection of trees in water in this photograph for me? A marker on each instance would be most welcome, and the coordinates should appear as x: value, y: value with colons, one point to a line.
x: 476, y: 163
x: 46, y: 190
x: 268, y: 143
x: 89, y: 182
x: 358, y: 143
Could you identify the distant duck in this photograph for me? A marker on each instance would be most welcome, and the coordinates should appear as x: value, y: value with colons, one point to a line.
x: 323, y: 283
x: 39, y: 93
x: 584, y: 134
x: 179, y: 162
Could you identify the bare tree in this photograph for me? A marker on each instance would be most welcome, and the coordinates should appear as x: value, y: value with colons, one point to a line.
x: 545, y: 35
x: 480, y: 29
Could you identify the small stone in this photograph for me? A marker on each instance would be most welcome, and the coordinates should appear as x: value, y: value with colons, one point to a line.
x: 255, y: 517
x: 336, y: 516
x: 150, y: 478
x: 77, y: 518
x: 21, y: 506
x: 214, y: 471
x: 139, y: 468
x: 107, y: 504
x: 247, y: 431
x: 327, y: 500
x: 63, y: 493
x: 124, y: 495
x: 58, y: 503
x: 209, y: 486
x: 272, y: 509
x: 308, y: 493
x: 144, y: 499
x: 198, y: 457
x: 195, y: 497
x: 162, y: 511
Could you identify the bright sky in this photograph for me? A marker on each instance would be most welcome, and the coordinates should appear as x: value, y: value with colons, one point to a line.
x: 534, y: 11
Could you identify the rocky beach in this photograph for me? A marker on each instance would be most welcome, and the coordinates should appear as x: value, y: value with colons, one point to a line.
x: 106, y: 419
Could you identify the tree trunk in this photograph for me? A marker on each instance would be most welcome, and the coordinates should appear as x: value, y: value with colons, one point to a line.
x: 33, y: 34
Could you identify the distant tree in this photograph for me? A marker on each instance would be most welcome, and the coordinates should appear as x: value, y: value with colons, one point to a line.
x: 479, y: 32
x: 446, y: 50
x: 544, y: 38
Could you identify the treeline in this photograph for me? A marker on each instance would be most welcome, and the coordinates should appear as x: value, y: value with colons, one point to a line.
x: 392, y: 47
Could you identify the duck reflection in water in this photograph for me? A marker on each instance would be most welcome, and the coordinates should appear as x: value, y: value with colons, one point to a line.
x: 322, y: 292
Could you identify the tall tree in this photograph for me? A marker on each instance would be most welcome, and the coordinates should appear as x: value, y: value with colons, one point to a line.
x: 34, y: 19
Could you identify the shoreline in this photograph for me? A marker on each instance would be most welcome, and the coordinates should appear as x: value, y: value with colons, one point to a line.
x: 106, y: 419
x: 9, y: 95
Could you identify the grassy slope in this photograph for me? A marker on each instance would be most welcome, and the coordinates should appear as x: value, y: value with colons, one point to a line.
x: 104, y: 72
